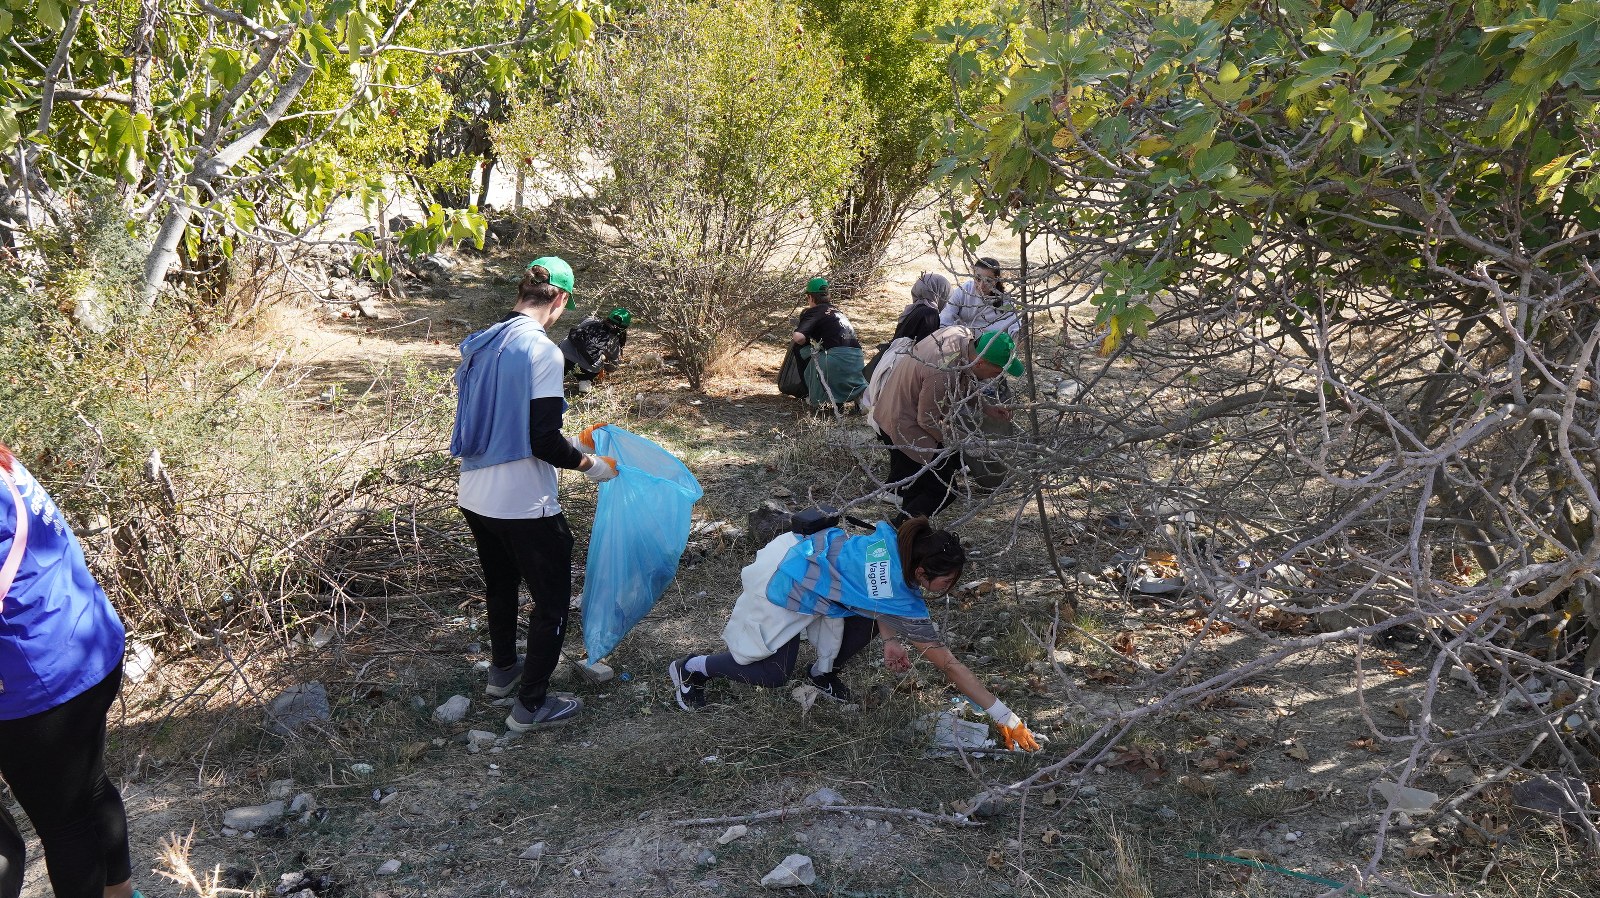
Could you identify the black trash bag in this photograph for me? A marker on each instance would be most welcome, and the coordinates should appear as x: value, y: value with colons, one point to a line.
x: 792, y: 376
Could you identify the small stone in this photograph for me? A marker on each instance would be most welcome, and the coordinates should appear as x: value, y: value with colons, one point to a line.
x: 706, y: 858
x: 280, y: 788
x: 140, y: 662
x: 1166, y: 813
x: 480, y: 737
x: 361, y: 768
x: 418, y: 704
x: 305, y: 801
x: 389, y: 799
x: 290, y: 882
x: 534, y: 852
x: 823, y: 798
x: 229, y: 831
x: 796, y: 870
x: 1291, y: 837
x: 801, y: 838
x: 736, y: 831
x: 389, y: 867
x: 453, y: 710
x: 248, y: 818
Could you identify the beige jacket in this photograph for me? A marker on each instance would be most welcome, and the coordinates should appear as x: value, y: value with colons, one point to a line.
x: 924, y: 390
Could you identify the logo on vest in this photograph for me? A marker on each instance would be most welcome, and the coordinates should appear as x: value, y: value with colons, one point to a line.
x: 877, y: 571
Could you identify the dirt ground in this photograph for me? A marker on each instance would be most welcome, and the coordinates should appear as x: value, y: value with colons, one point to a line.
x: 1278, y: 772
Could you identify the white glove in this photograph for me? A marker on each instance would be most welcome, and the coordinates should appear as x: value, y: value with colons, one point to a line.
x: 601, y: 468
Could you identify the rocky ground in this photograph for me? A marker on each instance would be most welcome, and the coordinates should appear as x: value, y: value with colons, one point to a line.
x: 400, y: 780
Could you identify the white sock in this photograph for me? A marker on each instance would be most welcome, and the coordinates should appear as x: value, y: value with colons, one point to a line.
x: 697, y: 664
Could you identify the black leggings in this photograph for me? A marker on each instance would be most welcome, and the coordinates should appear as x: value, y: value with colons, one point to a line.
x: 775, y: 669
x: 54, y: 763
x: 932, y: 489
x: 538, y: 551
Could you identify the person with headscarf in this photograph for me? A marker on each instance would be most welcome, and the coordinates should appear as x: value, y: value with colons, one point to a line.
x: 929, y: 295
x: 839, y: 591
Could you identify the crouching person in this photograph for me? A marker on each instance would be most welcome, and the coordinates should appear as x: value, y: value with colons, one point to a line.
x: 840, y: 591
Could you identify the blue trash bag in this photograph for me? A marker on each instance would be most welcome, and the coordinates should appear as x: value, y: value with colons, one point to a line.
x: 641, y: 526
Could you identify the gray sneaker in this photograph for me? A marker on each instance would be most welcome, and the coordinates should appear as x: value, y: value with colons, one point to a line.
x: 557, y: 708
x: 504, y: 680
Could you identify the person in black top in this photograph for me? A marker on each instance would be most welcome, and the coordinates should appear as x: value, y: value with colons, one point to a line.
x: 928, y: 297
x: 594, y: 347
x: 834, y: 376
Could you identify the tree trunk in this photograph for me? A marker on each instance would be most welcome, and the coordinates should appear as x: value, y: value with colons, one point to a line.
x: 141, y: 52
x: 483, y: 187
x: 206, y: 170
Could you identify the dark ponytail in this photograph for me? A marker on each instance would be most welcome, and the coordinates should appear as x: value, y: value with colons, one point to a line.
x: 937, y: 552
x: 537, y: 289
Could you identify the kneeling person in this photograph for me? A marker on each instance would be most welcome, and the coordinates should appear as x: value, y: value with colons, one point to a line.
x: 839, y: 591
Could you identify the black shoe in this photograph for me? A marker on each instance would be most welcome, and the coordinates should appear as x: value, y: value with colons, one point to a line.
x: 831, y: 686
x: 688, y: 686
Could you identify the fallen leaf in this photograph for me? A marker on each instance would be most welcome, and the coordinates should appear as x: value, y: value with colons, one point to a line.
x: 1050, y: 798
x: 1050, y: 837
x: 1422, y: 844
x: 414, y: 750
x: 1199, y: 785
x: 1400, y: 710
x: 1396, y: 668
x: 1103, y: 676
x: 1252, y: 854
x: 1123, y: 643
x: 996, y: 859
x: 1364, y: 742
x: 1297, y: 751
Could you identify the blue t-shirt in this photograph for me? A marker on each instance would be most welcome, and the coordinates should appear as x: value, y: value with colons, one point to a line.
x: 59, y: 635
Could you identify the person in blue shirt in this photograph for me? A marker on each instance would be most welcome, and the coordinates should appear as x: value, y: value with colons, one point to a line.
x: 839, y: 591
x: 61, y: 649
x: 509, y: 409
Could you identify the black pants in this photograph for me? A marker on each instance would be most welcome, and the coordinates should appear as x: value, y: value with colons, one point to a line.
x: 775, y: 669
x: 54, y: 762
x: 536, y: 551
x: 932, y: 489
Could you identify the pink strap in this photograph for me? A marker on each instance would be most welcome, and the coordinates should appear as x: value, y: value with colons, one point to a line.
x: 19, y: 540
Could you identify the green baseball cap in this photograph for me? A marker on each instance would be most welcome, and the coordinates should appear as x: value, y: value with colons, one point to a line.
x: 620, y: 317
x: 560, y: 275
x: 997, y: 348
x: 817, y: 285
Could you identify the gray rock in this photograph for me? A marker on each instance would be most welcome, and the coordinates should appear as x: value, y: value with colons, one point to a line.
x: 305, y: 801
x: 297, y: 706
x: 389, y: 867
x: 361, y: 768
x: 1544, y: 794
x: 796, y: 870
x: 823, y: 798
x: 290, y: 882
x: 1166, y: 813
x: 453, y: 710
x: 252, y: 817
x: 534, y: 852
x: 369, y: 308
x: 480, y: 737
x: 278, y: 789
x: 736, y: 831
x: 140, y: 662
x: 706, y: 858
x: 419, y: 704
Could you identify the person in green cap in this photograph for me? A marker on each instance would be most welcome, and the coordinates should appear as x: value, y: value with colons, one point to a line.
x: 944, y: 375
x: 593, y: 347
x: 827, y: 339
x: 508, y: 436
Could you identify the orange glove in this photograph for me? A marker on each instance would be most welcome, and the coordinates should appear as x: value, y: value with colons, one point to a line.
x: 1018, y: 737
x: 604, y: 468
x: 586, y: 439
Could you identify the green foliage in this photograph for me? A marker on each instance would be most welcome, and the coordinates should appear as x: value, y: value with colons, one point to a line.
x: 1415, y: 140
x: 249, y: 120
x: 718, y: 145
x: 902, y: 80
